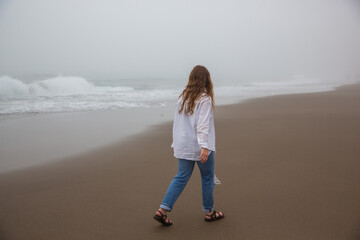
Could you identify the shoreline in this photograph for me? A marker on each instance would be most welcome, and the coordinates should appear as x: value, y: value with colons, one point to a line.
x: 37, y: 139
x: 288, y: 165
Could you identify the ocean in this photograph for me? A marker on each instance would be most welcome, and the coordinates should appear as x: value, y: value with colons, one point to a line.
x: 73, y: 93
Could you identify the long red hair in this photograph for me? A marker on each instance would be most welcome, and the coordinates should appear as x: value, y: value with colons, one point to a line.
x: 199, y: 82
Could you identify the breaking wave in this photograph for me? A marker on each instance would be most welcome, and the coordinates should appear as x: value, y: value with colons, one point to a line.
x: 71, y: 93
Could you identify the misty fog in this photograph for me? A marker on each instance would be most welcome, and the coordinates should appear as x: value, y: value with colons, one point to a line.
x: 236, y: 40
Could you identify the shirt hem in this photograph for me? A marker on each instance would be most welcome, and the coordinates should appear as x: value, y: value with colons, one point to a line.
x: 190, y: 158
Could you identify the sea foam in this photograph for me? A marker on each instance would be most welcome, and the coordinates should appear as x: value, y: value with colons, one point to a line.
x: 69, y: 93
x: 72, y: 93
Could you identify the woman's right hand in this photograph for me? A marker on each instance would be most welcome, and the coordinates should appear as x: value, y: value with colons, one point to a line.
x: 204, y: 155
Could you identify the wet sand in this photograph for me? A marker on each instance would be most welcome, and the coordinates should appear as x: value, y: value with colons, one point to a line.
x: 290, y: 168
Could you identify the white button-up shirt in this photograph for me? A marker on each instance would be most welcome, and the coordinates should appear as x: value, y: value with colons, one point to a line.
x: 193, y: 132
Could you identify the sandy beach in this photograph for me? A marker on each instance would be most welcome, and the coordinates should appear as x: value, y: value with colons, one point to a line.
x: 289, y: 166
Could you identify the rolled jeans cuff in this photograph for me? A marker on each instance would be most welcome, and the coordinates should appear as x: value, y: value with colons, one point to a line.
x: 167, y: 208
x: 207, y: 210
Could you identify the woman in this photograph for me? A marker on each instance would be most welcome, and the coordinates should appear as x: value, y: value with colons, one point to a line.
x: 193, y: 141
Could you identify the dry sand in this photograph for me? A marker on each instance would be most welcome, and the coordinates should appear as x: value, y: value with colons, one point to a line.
x: 290, y: 167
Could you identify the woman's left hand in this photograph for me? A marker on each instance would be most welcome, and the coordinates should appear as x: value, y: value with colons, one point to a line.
x: 204, y: 155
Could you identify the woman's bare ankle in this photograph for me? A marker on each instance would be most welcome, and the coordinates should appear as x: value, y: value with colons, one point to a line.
x: 164, y: 211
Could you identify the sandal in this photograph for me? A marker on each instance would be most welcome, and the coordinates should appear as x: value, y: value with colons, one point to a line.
x: 162, y: 219
x: 214, y: 217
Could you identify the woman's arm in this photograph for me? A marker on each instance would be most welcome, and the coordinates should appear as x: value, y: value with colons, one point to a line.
x: 203, y: 127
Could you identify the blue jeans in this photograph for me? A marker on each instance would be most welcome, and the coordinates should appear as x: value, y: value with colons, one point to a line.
x: 180, y: 180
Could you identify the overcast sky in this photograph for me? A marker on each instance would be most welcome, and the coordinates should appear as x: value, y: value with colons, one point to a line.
x: 235, y: 39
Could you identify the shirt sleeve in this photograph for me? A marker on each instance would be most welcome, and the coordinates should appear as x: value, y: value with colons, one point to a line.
x: 203, y: 123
